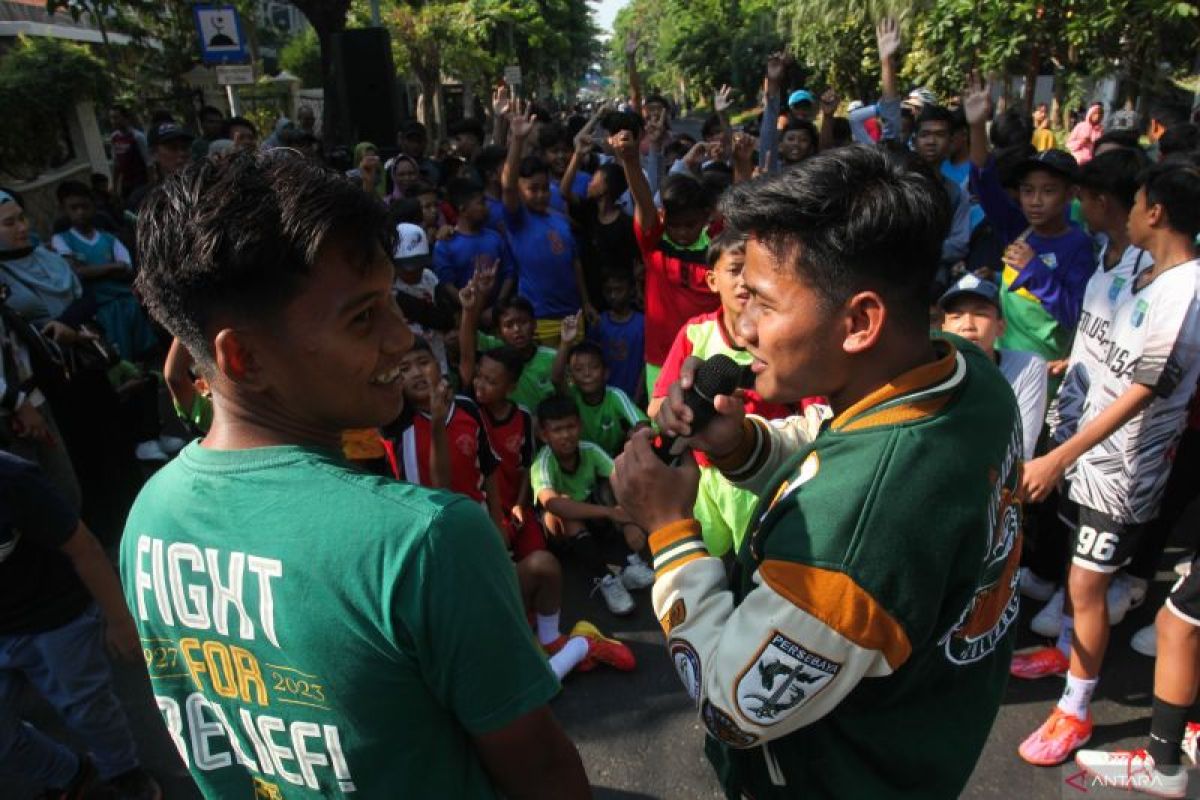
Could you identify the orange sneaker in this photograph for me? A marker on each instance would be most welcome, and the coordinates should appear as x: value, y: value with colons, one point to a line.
x: 602, y: 649
x: 1038, y: 662
x: 1059, y: 736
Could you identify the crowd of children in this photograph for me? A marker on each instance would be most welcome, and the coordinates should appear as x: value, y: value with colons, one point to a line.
x: 559, y: 270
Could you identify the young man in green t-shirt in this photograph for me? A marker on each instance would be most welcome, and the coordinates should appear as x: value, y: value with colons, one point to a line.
x: 570, y: 485
x: 317, y: 630
x: 607, y: 414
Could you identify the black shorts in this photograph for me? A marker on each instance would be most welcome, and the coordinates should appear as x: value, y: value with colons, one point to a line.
x: 1102, y: 544
x: 1184, y: 600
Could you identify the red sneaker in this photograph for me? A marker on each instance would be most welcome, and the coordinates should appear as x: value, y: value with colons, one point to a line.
x: 1038, y: 662
x: 1059, y: 736
x: 602, y: 649
x: 550, y: 648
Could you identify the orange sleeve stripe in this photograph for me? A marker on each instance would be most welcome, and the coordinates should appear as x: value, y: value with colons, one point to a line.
x: 919, y: 378
x: 674, y: 533
x: 902, y: 413
x: 836, y: 600
x: 679, y: 562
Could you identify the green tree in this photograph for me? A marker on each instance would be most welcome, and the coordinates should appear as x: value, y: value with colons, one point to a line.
x: 301, y: 56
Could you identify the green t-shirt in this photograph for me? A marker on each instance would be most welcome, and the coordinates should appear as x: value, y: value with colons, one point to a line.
x: 547, y: 473
x: 608, y: 422
x: 315, y: 631
x: 535, y: 384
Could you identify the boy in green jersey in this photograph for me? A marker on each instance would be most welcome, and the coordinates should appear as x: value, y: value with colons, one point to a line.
x: 516, y: 325
x: 570, y: 485
x: 325, y: 631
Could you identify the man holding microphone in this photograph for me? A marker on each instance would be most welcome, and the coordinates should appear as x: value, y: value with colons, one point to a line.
x: 875, y: 589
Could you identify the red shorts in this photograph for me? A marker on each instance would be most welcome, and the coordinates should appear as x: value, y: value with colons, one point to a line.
x: 527, y: 538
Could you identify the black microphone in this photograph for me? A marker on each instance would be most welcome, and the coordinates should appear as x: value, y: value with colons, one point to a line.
x: 719, y: 374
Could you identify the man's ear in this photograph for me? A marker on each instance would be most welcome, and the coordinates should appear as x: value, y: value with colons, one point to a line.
x: 235, y: 359
x: 710, y: 279
x: 864, y: 314
x: 1156, y: 215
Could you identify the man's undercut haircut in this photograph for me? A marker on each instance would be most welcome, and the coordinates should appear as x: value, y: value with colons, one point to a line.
x: 490, y: 160
x: 507, y: 357
x: 934, y: 113
x: 554, y: 135
x: 72, y: 189
x: 532, y: 166
x: 556, y: 407
x: 726, y: 241
x: 616, y: 121
x: 847, y: 220
x: 1182, y: 138
x: 461, y: 191
x: 1175, y: 185
x: 231, y: 241
x: 514, y: 303
x: 683, y: 194
x: 586, y: 348
x: 1115, y: 173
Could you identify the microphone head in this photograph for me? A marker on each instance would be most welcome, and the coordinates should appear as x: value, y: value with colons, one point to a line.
x: 719, y: 374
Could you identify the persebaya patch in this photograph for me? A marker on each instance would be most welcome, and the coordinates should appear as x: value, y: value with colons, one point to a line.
x: 783, y: 675
x: 722, y: 726
x: 687, y: 665
x: 675, y: 616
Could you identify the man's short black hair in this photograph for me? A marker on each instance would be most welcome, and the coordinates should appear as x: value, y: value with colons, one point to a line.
x: 532, y: 166
x: 683, y: 194
x: 1168, y: 113
x: 794, y: 124
x: 406, y: 209
x: 413, y: 130
x: 657, y: 98
x: 236, y: 122
x: 1181, y: 138
x: 420, y: 345
x: 72, y: 189
x: 935, y: 113
x: 614, y: 179
x: 617, y: 275
x: 726, y: 241
x: 507, y: 357
x: 849, y: 219
x: 490, y: 159
x: 1175, y: 185
x: 1115, y: 173
x: 554, y: 135
x: 468, y: 125
x: 462, y: 191
x: 514, y: 303
x: 420, y: 187
x: 712, y: 125
x: 235, y: 238
x: 556, y: 407
x: 616, y: 121
x: 1123, y: 137
x: 586, y: 348
x: 958, y: 120
x: 1012, y: 128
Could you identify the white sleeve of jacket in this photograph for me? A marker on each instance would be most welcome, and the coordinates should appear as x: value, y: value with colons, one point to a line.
x: 767, y: 444
x: 798, y: 643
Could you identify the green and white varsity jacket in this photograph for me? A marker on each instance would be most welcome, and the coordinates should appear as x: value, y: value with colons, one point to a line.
x: 863, y: 646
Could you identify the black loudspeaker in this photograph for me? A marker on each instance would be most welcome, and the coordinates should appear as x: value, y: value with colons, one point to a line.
x: 364, y: 82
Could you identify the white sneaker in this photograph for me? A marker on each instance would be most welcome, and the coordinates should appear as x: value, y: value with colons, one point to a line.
x: 1133, y: 771
x: 1183, y: 567
x: 171, y: 445
x: 1048, y: 621
x: 150, y: 451
x: 1120, y: 599
x: 1145, y: 641
x: 615, y: 595
x: 636, y: 574
x: 1137, y: 589
x: 1033, y: 587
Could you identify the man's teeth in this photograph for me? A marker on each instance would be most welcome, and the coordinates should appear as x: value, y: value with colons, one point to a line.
x: 387, y: 376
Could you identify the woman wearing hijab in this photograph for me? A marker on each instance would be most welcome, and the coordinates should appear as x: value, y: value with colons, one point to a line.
x: 366, y: 156
x: 1082, y: 141
x: 404, y: 173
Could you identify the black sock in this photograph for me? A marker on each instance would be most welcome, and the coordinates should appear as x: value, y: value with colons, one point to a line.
x: 1167, y: 725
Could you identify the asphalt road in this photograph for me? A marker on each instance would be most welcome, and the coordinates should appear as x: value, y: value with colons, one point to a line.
x: 639, y: 736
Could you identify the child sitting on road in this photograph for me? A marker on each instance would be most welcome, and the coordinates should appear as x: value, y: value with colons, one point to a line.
x: 570, y: 484
x: 607, y: 414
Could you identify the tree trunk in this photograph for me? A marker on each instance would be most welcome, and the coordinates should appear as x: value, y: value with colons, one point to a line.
x: 1033, y: 68
x: 327, y: 18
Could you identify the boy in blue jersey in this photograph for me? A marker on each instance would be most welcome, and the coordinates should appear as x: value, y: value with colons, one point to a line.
x: 472, y: 244
x: 621, y: 334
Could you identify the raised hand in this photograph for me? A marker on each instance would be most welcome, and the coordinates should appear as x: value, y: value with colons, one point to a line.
x: 469, y: 296
x: 776, y: 64
x: 829, y: 101
x: 520, y: 121
x: 583, y: 140
x: 695, y: 157
x: 440, y: 397
x: 571, y: 324
x: 976, y: 98
x: 625, y: 146
x: 744, y: 146
x: 486, y: 268
x: 887, y: 36
x: 723, y: 99
x: 500, y: 101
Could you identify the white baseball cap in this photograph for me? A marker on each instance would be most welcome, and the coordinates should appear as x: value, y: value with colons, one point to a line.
x: 412, y: 248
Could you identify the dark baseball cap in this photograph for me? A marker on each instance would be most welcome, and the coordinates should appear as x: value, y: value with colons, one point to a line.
x: 971, y: 284
x: 169, y: 132
x: 1060, y: 162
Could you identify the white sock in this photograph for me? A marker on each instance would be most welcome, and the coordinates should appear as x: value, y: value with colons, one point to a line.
x: 547, y: 627
x: 1064, y: 636
x: 566, y: 659
x: 1077, y: 695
